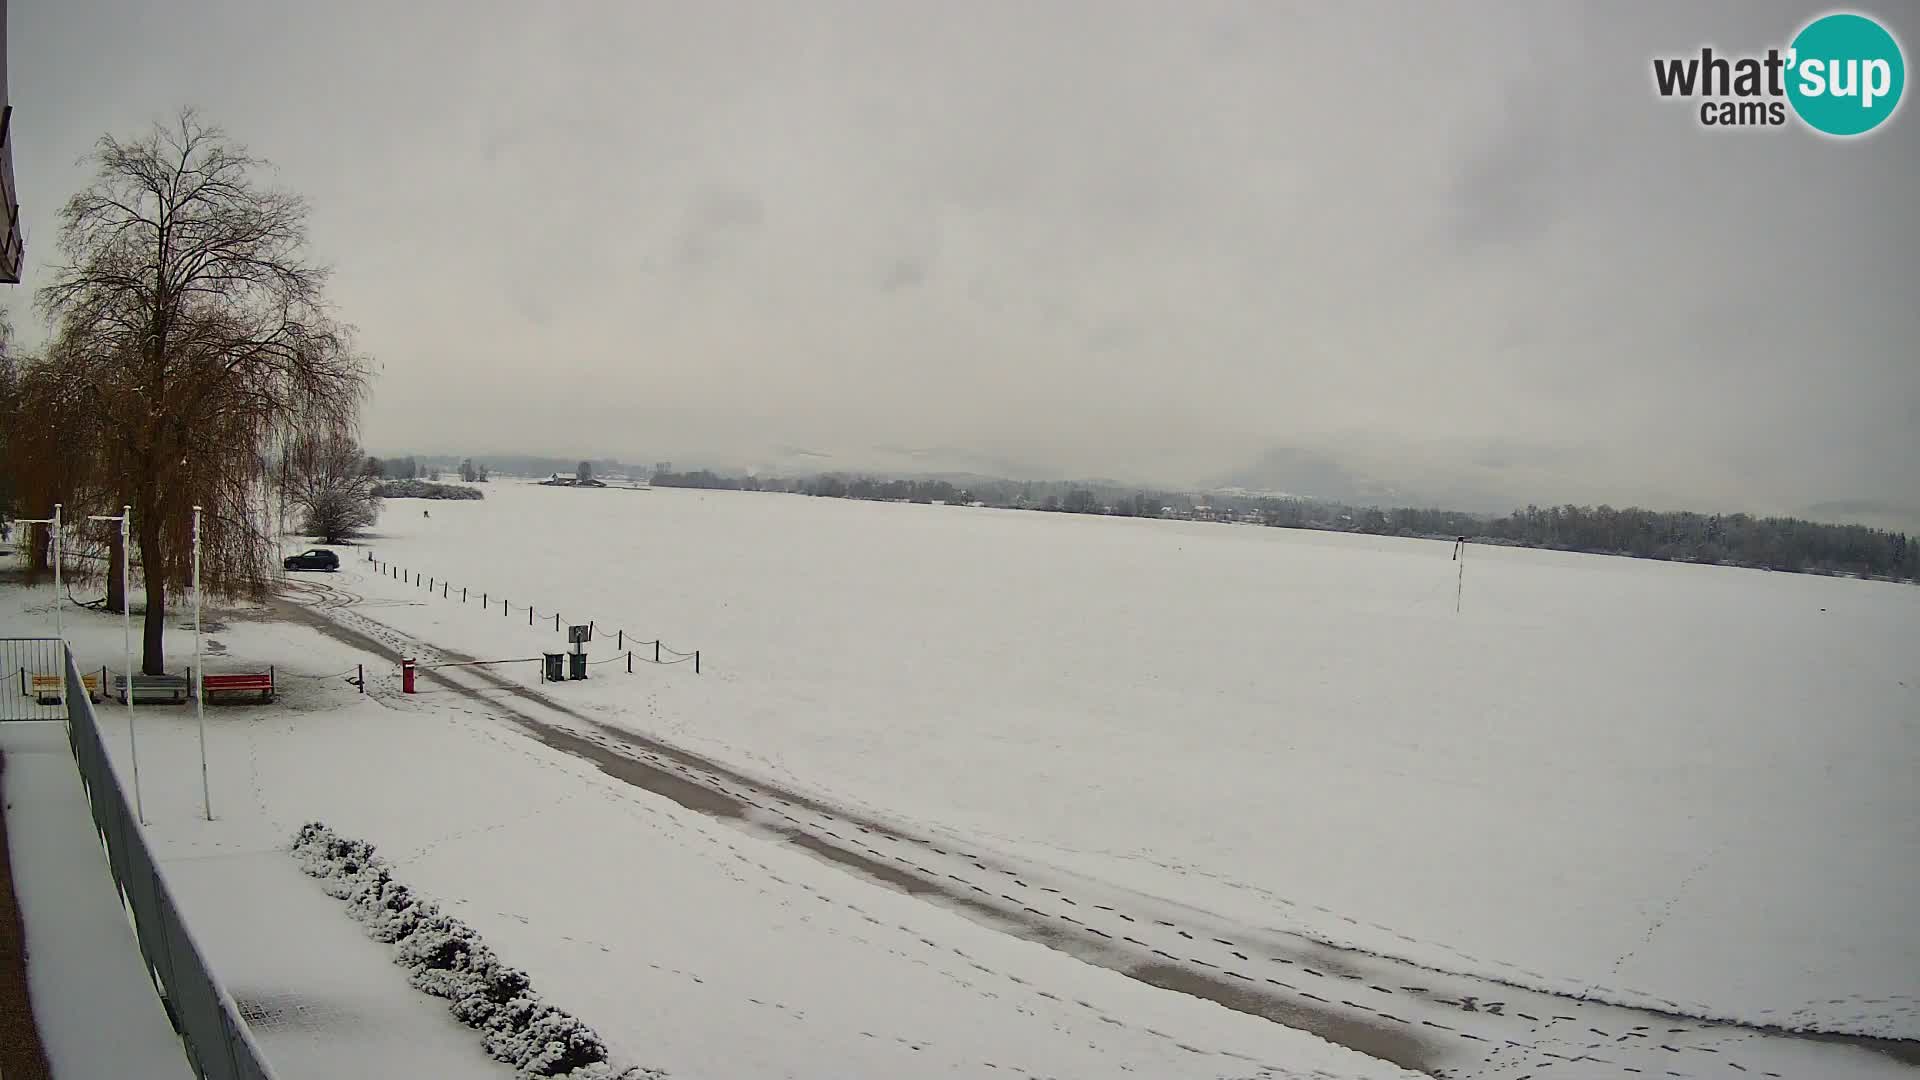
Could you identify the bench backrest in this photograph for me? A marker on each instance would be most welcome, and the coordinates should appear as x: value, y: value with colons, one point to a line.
x: 246, y: 681
x: 55, y: 682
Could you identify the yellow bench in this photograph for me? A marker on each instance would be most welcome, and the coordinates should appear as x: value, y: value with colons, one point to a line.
x: 48, y: 689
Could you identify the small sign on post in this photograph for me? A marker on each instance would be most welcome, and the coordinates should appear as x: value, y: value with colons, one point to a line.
x: 578, y: 636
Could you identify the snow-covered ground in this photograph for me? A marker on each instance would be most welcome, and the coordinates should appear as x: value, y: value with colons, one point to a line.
x: 1682, y: 788
x: 1649, y: 781
x: 687, y: 943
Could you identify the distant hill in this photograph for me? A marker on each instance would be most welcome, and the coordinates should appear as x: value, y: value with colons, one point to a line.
x: 1293, y: 471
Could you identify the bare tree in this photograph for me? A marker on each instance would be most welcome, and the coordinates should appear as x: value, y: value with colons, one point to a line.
x: 327, y: 479
x: 9, y: 422
x: 193, y: 326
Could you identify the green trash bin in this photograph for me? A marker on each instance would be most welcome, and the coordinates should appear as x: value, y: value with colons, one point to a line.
x: 576, y: 665
x: 553, y: 671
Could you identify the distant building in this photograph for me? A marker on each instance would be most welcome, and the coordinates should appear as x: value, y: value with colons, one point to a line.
x: 662, y: 467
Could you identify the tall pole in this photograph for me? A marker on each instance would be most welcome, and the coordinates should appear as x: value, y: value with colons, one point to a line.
x: 1460, y: 578
x: 59, y: 594
x: 199, y: 677
x: 126, y: 630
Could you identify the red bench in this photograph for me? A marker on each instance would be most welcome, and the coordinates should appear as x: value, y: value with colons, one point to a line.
x: 259, y: 682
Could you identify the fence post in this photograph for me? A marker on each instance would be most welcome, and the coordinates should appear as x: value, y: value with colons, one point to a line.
x: 443, y: 590
x: 556, y: 621
x: 656, y: 650
x: 696, y: 661
x: 629, y: 661
x: 463, y: 594
x: 362, y: 679
x: 620, y: 642
x: 529, y: 614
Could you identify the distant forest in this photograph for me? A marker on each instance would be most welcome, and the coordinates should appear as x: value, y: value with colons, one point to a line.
x: 1771, y: 543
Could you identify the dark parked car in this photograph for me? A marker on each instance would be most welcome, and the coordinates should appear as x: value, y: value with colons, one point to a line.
x: 315, y: 559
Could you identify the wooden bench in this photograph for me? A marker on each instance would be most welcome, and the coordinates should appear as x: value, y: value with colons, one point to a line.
x: 50, y: 689
x: 153, y: 689
x: 255, y: 682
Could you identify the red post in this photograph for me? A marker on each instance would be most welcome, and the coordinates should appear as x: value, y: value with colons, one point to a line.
x: 406, y: 676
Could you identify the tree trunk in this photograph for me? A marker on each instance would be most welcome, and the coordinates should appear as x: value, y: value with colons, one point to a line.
x: 116, y: 555
x: 40, y: 537
x: 153, y: 653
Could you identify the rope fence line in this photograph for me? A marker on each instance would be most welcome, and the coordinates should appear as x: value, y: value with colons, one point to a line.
x: 335, y: 675
x: 434, y: 583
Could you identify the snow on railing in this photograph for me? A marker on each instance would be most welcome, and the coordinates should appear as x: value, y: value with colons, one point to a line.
x: 216, y: 1037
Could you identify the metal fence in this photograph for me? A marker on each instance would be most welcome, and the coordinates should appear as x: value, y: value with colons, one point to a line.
x: 218, y: 1042
x: 33, y: 680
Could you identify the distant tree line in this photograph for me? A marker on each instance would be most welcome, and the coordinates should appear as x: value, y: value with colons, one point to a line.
x: 394, y: 468
x: 424, y: 489
x: 1772, y: 543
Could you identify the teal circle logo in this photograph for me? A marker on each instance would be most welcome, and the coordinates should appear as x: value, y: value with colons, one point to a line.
x: 1845, y: 74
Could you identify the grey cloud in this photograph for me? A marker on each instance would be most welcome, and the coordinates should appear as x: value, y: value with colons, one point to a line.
x: 714, y: 221
x: 1456, y: 249
x: 904, y: 272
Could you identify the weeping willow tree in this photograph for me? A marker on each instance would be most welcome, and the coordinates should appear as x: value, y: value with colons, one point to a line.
x: 192, y: 336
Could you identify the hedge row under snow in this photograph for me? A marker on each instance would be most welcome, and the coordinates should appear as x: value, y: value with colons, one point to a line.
x: 446, y: 958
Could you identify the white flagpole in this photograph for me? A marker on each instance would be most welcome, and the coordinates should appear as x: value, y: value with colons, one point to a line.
x: 126, y: 629
x: 59, y: 594
x: 199, y: 676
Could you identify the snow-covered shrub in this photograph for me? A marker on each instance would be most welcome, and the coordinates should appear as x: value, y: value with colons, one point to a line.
x: 446, y: 958
x: 497, y: 989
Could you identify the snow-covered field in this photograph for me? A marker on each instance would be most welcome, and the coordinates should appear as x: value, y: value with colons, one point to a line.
x: 1682, y: 788
x: 1606, y: 775
x: 689, y: 944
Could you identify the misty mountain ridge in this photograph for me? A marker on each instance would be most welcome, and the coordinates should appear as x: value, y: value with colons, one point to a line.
x: 1488, y: 477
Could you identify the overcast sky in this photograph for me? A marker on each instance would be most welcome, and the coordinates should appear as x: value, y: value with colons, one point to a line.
x: 1456, y: 247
